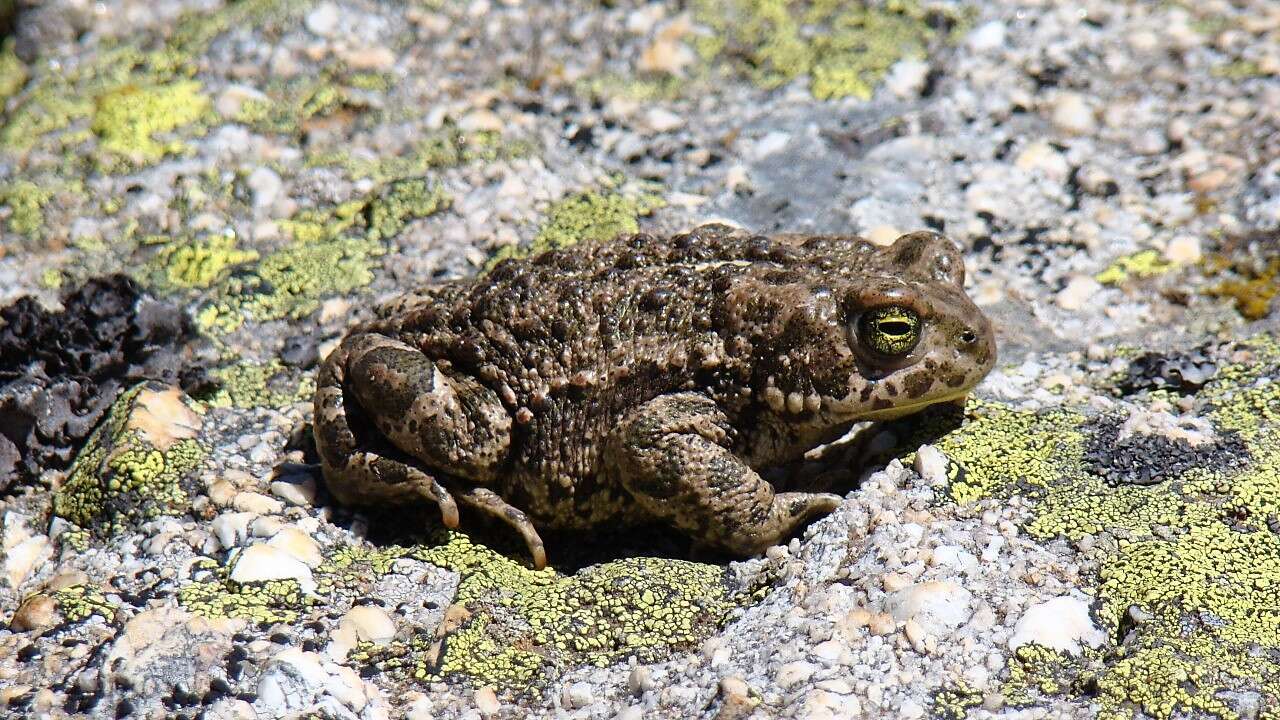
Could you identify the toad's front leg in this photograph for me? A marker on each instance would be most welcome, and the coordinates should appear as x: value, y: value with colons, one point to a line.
x: 673, y: 455
x: 452, y: 425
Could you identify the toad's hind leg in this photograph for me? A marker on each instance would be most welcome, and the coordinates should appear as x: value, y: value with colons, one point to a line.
x: 356, y: 385
x: 490, y: 503
x: 673, y: 455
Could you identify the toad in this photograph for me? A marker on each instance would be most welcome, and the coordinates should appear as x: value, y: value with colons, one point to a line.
x: 645, y: 379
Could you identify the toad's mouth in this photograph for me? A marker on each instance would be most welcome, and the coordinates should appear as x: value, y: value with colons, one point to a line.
x: 856, y: 410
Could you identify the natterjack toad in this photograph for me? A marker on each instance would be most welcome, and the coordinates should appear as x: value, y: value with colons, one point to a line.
x: 645, y: 379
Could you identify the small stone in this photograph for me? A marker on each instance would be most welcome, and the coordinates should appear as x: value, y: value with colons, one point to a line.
x: 931, y: 464
x: 1080, y: 291
x: 736, y: 700
x: 907, y: 78
x: 1151, y: 142
x: 630, y: 713
x: 1062, y: 623
x: 578, y: 695
x: 955, y: 557
x: 883, y: 235
x: 375, y: 58
x: 911, y: 710
x: 36, y: 613
x: 772, y: 142
x: 881, y: 624
x: 1208, y: 181
x: 987, y: 36
x: 1044, y: 158
x: 640, y: 680
x: 370, y: 623
x: 265, y: 185
x: 232, y: 99
x: 1071, y: 113
x: 660, y: 120
x: 257, y: 503
x: 263, y: 562
x: 940, y: 606
x: 894, y: 581
x: 23, y: 556
x: 794, y: 673
x: 481, y: 121
x: 829, y: 650
x: 232, y: 529
x: 323, y: 20
x: 486, y: 701
x: 297, y: 490
x: 1183, y: 249
x: 297, y: 543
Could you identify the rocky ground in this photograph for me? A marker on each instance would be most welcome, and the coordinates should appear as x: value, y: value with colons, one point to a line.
x: 197, y: 197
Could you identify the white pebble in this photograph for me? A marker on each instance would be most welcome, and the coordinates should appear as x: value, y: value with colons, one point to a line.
x: 931, y: 464
x: 1080, y: 291
x: 1062, y: 624
x: 261, y: 562
x: 1071, y: 113
x: 324, y: 19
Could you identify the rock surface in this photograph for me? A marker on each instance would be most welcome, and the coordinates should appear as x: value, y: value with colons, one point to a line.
x: 1094, y: 534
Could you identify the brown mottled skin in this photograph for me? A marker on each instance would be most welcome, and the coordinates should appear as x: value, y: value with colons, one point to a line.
x: 645, y: 379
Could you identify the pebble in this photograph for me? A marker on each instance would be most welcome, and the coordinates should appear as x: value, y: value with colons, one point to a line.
x: 630, y: 713
x: 987, y: 36
x: 369, y: 623
x: 24, y: 556
x: 481, y: 121
x: 257, y: 503
x: 907, y: 78
x: 486, y: 701
x: 1080, y: 291
x: 1071, y: 113
x: 883, y: 235
x: 297, y: 490
x: 323, y: 19
x: 1183, y: 249
x: 940, y: 606
x: 794, y: 673
x: 640, y: 680
x: 375, y: 58
x: 1045, y: 159
x: 291, y: 679
x: 736, y: 698
x: 265, y: 185
x: 1208, y: 181
x: 578, y: 695
x: 231, y: 100
x: 36, y: 613
x: 772, y: 142
x: 298, y: 544
x: 1062, y: 623
x: 931, y: 464
x: 660, y: 120
x: 232, y: 529
x: 264, y: 562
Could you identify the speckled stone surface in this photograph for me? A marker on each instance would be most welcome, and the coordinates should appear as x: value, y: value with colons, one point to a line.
x: 1094, y: 535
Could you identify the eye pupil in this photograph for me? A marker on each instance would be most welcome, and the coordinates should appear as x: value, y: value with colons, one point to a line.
x: 896, y: 328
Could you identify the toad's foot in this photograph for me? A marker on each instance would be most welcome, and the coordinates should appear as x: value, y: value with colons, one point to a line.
x: 491, y: 503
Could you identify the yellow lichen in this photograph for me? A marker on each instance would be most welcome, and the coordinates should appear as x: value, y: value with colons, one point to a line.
x: 129, y: 118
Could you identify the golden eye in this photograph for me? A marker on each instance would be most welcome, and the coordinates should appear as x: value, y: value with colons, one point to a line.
x: 891, y: 331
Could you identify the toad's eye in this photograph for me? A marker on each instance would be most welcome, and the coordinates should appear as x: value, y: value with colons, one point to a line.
x: 890, y: 331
